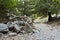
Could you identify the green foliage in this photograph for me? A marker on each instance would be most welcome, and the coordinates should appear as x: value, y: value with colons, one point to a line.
x: 8, y: 3
x: 49, y: 5
x: 30, y: 7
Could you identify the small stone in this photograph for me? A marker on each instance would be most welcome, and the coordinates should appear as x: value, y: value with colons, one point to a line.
x: 12, y: 34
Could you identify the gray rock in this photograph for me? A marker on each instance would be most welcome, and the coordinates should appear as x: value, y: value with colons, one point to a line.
x: 3, y: 28
x: 13, y: 26
x: 0, y: 36
x: 16, y: 27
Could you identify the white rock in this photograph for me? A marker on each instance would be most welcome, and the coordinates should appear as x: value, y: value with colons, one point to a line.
x: 12, y: 34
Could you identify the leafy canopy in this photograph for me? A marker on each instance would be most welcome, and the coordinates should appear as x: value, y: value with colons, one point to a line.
x: 50, y: 5
x: 8, y: 3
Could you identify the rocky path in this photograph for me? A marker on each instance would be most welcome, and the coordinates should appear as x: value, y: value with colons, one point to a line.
x: 42, y: 32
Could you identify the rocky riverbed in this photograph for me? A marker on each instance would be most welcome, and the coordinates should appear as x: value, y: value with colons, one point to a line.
x: 41, y: 32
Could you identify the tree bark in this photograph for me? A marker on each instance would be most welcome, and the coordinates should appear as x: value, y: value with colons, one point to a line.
x: 49, y: 17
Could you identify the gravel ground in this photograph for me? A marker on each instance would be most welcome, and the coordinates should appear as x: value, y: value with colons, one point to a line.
x: 42, y: 32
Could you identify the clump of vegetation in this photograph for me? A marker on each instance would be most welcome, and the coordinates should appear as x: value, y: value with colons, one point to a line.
x: 29, y: 7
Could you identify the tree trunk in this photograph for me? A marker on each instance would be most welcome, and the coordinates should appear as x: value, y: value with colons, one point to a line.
x: 49, y: 17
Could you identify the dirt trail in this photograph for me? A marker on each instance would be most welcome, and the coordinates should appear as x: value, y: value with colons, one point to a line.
x: 42, y: 32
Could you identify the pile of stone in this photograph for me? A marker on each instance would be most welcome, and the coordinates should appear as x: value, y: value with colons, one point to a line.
x: 15, y: 26
x: 24, y: 25
x: 20, y: 26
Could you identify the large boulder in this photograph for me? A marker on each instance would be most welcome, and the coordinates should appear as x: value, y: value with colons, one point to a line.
x: 3, y: 28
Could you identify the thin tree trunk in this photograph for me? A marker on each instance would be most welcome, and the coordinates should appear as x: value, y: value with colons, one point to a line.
x: 49, y: 17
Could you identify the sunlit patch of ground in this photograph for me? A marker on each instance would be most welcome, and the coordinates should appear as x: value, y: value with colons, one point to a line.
x: 44, y: 19
x: 39, y: 19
